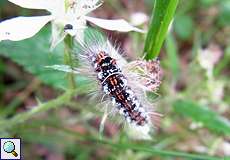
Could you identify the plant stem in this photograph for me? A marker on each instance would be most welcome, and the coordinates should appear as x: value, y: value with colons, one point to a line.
x: 21, y: 97
x: 154, y: 151
x: 68, y: 60
x: 135, y: 146
x: 162, y: 16
x: 42, y: 107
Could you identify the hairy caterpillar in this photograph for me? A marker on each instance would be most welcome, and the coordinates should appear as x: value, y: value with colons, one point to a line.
x: 122, y: 86
x: 114, y: 84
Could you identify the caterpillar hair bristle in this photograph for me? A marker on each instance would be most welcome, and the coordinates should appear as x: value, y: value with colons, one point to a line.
x: 106, y: 65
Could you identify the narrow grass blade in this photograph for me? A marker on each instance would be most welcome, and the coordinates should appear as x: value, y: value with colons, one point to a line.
x: 161, y: 18
x: 203, y: 114
x: 138, y: 147
x: 224, y: 62
x: 162, y: 153
x: 172, y: 55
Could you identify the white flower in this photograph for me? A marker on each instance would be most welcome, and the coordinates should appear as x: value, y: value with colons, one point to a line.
x: 209, y: 57
x: 205, y: 58
x: 68, y: 14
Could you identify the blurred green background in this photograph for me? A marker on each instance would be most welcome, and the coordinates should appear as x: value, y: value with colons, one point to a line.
x: 194, y: 94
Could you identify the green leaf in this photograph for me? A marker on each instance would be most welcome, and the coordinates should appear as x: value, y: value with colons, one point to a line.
x: 161, y: 18
x: 184, y: 26
x: 208, y: 3
x: 203, y: 114
x: 223, y: 63
x: 34, y: 54
x: 172, y: 55
x: 224, y: 15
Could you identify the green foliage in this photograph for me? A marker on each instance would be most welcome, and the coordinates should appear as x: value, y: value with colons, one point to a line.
x: 208, y: 3
x: 154, y: 151
x: 172, y: 56
x: 224, y: 16
x: 58, y: 127
x: 161, y: 18
x: 42, y: 107
x: 224, y: 62
x: 34, y: 54
x: 184, y: 26
x: 203, y: 114
x: 63, y: 133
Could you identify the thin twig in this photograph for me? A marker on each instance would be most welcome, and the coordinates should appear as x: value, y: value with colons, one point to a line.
x: 22, y: 117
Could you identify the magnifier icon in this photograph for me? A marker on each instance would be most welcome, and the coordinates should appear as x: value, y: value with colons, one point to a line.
x: 9, y: 147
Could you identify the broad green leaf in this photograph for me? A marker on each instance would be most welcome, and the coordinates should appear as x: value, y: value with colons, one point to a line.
x: 203, y: 114
x: 162, y: 16
x: 33, y: 55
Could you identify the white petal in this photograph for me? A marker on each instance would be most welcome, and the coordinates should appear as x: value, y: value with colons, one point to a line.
x: 54, y: 6
x: 20, y: 28
x: 33, y: 4
x: 83, y: 7
x: 116, y: 25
